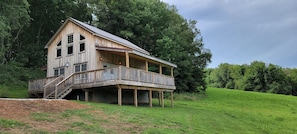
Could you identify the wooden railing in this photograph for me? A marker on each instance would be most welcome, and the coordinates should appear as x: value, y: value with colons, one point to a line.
x: 122, y: 73
x: 49, y: 88
x: 58, y: 85
x: 64, y: 85
x: 38, y: 85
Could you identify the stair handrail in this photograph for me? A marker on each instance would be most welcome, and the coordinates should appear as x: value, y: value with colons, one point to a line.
x: 46, y: 85
x: 56, y: 87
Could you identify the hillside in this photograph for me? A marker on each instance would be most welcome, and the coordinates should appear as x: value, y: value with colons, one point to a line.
x: 221, y: 111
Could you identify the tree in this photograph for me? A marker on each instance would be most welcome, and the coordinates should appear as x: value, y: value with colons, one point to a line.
x: 13, y: 18
x: 159, y: 29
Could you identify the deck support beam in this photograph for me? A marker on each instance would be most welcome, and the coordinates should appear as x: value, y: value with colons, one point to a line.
x: 119, y: 96
x: 172, y: 105
x: 135, y: 98
x: 160, y: 69
x: 146, y: 66
x: 127, y: 59
x: 159, y: 96
x: 171, y: 71
x: 150, y: 98
x: 86, y: 96
x: 162, y: 98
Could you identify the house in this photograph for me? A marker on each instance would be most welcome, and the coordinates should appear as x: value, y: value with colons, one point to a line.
x: 90, y: 64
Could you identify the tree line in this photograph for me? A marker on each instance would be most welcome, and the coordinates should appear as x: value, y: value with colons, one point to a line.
x: 27, y: 25
x: 258, y: 76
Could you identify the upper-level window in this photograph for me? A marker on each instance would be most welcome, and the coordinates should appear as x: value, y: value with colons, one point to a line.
x: 59, y: 49
x: 70, y: 38
x: 70, y: 44
x: 81, y: 43
x: 82, y: 47
x: 81, y: 37
x: 70, y: 49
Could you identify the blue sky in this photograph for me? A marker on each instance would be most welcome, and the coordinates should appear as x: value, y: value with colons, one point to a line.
x: 242, y: 31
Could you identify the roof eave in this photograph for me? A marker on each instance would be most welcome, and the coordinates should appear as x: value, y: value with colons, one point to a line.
x: 154, y: 59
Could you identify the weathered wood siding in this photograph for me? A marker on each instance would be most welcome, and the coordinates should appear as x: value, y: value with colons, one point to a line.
x: 87, y: 56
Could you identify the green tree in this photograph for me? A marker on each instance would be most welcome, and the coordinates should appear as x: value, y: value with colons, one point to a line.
x: 158, y: 28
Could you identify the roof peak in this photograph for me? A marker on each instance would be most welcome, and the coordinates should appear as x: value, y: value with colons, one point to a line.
x: 101, y: 33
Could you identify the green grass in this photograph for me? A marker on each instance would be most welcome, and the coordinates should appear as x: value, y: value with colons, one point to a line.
x: 220, y: 111
x: 13, y: 92
x: 5, y: 123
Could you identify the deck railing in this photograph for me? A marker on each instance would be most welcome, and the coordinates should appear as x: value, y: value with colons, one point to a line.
x: 36, y: 86
x: 122, y: 73
x: 116, y: 73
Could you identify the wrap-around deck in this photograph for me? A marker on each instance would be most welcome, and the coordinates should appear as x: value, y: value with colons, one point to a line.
x: 119, y: 76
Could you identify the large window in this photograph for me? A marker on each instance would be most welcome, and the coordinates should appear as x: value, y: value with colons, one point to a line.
x: 59, y: 49
x: 80, y: 68
x: 59, y: 71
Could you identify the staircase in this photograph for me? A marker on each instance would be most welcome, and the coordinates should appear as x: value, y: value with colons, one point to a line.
x: 58, y: 88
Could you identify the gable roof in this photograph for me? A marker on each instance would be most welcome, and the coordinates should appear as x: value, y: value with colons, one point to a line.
x: 101, y: 33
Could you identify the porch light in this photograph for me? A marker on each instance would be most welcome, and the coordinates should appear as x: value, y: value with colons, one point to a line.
x: 120, y: 62
x: 67, y: 64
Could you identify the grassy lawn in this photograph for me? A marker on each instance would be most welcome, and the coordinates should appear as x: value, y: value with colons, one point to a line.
x: 221, y: 111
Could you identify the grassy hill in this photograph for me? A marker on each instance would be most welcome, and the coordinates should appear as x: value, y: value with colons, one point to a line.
x: 221, y: 111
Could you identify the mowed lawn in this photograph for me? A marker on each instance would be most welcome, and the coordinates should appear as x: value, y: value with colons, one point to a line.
x: 222, y: 111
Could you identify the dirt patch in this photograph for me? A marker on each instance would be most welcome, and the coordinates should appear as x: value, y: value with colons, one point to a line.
x: 22, y: 110
x: 18, y: 109
x: 51, y: 116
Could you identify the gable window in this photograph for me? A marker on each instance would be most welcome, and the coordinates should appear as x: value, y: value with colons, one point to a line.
x: 59, y: 49
x: 59, y: 71
x: 70, y: 38
x: 81, y: 37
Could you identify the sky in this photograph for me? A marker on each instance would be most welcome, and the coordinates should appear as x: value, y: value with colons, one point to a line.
x: 243, y: 31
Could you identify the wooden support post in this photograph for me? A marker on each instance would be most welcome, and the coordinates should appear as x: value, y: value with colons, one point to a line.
x: 150, y: 98
x: 159, y: 95
x: 171, y: 71
x: 86, y: 95
x: 160, y: 69
x: 135, y: 98
x: 127, y: 59
x: 146, y: 65
x: 162, y: 95
x: 119, y: 96
x: 172, y: 105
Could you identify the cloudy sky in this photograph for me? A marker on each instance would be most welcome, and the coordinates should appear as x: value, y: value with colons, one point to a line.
x: 242, y: 31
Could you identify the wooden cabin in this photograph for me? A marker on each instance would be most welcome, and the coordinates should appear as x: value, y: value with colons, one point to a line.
x: 90, y: 64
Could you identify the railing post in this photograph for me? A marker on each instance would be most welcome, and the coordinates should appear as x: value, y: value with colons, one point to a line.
x: 120, y: 73
x: 44, y: 92
x: 56, y: 92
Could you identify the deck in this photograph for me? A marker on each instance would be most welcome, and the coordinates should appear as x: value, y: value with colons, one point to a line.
x: 129, y: 78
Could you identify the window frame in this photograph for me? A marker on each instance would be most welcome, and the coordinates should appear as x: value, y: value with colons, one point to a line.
x: 57, y: 71
x: 82, y: 43
x: 80, y: 68
x: 59, y: 49
x: 70, y: 42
